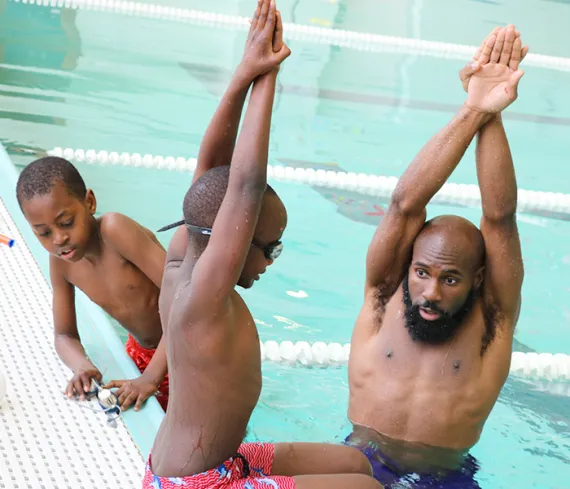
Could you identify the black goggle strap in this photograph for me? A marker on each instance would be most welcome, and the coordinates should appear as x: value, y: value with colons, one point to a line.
x: 271, y: 251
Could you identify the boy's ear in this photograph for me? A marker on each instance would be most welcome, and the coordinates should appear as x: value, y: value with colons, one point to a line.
x: 479, y: 276
x: 91, y: 202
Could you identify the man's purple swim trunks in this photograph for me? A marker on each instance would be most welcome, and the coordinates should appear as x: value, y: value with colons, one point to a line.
x: 384, y: 472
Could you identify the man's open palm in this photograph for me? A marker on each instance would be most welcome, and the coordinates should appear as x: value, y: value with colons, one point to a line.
x: 493, y: 88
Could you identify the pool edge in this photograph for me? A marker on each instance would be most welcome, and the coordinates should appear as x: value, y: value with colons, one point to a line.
x: 101, y: 340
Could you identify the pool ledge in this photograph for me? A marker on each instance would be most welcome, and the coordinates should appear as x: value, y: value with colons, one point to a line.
x: 101, y: 341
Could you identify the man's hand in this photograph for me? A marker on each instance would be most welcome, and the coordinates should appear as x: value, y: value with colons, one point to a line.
x: 492, y: 46
x: 133, y: 391
x: 264, y: 49
x: 494, y: 86
x: 80, y: 383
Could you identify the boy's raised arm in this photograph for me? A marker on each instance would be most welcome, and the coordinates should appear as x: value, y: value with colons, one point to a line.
x: 220, y: 266
x: 217, y: 146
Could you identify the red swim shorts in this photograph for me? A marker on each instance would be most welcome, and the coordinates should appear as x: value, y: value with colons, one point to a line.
x: 142, y: 357
x: 249, y: 469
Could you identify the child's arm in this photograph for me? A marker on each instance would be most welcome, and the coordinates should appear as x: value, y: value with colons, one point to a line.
x: 217, y: 146
x: 219, y: 140
x: 66, y: 339
x: 140, y: 247
x: 218, y: 269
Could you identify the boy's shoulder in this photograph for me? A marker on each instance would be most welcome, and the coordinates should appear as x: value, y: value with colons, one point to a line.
x: 115, y: 226
x: 119, y: 230
x: 113, y: 223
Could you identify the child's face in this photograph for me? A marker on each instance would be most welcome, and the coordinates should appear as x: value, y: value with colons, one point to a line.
x: 62, y: 222
x: 270, y: 226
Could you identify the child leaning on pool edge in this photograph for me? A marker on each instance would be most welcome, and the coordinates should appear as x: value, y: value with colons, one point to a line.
x: 115, y: 261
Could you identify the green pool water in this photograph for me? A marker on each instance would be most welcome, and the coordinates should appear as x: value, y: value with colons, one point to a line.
x: 118, y: 83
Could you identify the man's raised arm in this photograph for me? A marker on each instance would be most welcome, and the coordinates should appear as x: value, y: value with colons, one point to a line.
x: 497, y: 181
x: 392, y: 243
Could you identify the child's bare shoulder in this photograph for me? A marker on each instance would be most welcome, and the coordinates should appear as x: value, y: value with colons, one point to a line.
x: 116, y: 227
x: 57, y: 267
x: 112, y: 224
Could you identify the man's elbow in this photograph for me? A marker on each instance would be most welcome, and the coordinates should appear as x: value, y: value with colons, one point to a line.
x: 403, y: 203
x: 505, y: 215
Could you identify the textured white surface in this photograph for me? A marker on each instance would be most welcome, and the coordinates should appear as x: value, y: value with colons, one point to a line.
x: 47, y: 442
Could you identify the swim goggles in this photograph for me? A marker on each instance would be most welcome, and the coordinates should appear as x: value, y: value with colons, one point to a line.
x: 101, y: 400
x: 271, y: 250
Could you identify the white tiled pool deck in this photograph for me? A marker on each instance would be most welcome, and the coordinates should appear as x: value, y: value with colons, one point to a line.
x: 47, y: 441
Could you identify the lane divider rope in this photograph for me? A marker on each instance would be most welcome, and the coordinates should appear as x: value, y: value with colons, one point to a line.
x: 360, y: 41
x: 540, y: 366
x: 450, y: 194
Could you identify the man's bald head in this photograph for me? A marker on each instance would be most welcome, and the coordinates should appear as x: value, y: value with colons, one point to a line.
x: 454, y: 238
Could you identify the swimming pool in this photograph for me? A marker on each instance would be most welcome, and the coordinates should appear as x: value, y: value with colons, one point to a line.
x: 108, y: 81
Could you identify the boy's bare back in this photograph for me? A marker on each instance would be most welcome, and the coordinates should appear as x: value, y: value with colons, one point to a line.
x: 220, y: 360
x: 212, y: 344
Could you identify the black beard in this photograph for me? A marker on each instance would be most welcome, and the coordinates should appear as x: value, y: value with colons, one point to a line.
x: 438, y: 331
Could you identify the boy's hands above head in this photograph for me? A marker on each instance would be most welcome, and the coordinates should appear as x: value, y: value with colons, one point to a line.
x: 278, y: 34
x: 135, y: 391
x: 264, y: 48
x: 80, y: 383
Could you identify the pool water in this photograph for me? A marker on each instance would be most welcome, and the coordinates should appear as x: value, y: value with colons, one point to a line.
x: 110, y: 82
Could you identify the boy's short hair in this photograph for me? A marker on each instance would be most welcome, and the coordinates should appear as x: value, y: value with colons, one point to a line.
x: 39, y: 177
x: 204, y: 199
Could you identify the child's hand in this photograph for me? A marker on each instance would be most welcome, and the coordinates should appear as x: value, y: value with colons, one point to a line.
x: 80, y: 383
x: 138, y: 390
x: 265, y: 33
x: 278, y: 33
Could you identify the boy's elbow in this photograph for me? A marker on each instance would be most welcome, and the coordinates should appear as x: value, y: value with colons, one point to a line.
x: 249, y: 174
x: 60, y: 339
x: 58, y: 343
x: 253, y: 186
